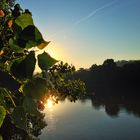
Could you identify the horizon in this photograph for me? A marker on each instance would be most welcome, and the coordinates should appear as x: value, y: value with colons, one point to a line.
x: 83, y: 33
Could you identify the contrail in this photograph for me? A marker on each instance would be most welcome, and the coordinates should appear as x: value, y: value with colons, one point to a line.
x: 93, y: 13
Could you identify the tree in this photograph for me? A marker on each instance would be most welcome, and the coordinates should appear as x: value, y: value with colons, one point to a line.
x: 22, y: 94
x: 109, y: 63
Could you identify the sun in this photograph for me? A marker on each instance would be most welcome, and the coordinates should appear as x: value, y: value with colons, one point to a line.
x: 55, y: 51
x: 50, y: 103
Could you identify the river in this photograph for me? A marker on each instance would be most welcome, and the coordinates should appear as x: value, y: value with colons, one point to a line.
x: 89, y: 119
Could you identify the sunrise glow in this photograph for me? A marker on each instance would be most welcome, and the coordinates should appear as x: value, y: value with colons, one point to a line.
x: 54, y: 50
x: 50, y: 103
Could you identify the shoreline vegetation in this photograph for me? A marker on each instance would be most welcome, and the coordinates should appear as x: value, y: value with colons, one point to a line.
x: 112, y: 85
x: 119, y: 78
x: 23, y: 94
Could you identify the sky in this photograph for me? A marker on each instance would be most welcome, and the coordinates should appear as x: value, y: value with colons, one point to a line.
x: 86, y: 32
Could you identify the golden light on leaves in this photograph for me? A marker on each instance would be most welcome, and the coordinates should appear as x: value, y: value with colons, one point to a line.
x: 2, y: 14
x: 10, y: 23
x: 43, y: 44
x: 50, y: 102
x: 1, y: 52
x: 55, y: 50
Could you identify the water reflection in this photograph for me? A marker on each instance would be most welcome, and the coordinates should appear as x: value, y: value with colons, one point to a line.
x: 50, y: 103
x: 50, y: 118
x: 107, y: 118
x: 113, y: 105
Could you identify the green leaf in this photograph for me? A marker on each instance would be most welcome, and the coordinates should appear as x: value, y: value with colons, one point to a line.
x: 16, y: 29
x: 8, y: 82
x: 14, y: 45
x: 43, y: 45
x: 24, y: 67
x: 27, y: 37
x: 45, y: 61
x: 31, y: 37
x: 2, y: 115
x: 24, y: 20
x: 18, y: 117
x: 30, y: 106
x: 3, y: 94
x: 36, y: 88
x: 1, y: 137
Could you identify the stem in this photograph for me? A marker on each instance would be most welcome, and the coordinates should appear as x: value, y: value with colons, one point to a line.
x: 10, y: 98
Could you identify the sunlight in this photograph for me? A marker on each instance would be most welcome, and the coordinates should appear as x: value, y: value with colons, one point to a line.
x: 50, y: 103
x: 54, y: 50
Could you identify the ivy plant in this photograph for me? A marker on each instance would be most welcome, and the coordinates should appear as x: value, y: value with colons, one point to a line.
x: 22, y: 94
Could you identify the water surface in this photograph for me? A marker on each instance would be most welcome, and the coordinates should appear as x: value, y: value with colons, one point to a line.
x: 92, y: 120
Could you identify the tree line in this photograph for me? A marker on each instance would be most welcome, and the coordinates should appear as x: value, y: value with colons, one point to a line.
x: 111, y: 78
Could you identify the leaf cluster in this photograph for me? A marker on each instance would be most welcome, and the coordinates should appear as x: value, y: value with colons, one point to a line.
x: 22, y: 94
x: 19, y: 103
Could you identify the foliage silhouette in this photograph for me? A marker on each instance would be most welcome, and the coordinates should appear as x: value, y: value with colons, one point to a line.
x: 116, y: 103
x: 23, y: 94
x: 109, y: 77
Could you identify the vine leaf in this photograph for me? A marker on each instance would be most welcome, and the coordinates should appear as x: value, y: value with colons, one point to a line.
x: 16, y: 29
x: 24, y: 20
x: 2, y: 101
x: 24, y: 67
x: 30, y: 37
x: 36, y: 88
x: 27, y: 38
x: 8, y: 82
x: 45, y: 61
x: 2, y: 115
x: 1, y: 137
x: 43, y: 44
x: 30, y: 106
x: 14, y: 45
x: 27, y: 35
x: 3, y: 94
x: 19, y: 118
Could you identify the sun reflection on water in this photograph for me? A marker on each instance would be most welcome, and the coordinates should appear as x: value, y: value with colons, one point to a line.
x: 50, y: 102
x: 50, y: 114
